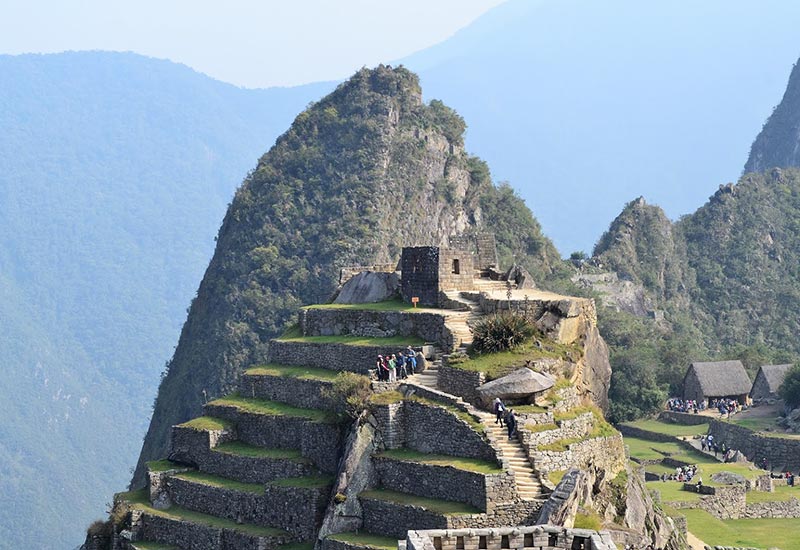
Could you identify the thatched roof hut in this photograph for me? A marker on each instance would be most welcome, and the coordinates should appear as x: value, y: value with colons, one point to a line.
x: 715, y: 379
x: 768, y: 380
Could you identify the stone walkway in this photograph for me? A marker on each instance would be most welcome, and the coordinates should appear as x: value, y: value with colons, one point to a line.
x: 460, y: 322
x: 528, y: 484
x: 429, y: 377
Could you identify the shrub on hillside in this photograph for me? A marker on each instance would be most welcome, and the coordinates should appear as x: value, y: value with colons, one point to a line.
x: 790, y: 388
x: 350, y: 393
x: 501, y: 333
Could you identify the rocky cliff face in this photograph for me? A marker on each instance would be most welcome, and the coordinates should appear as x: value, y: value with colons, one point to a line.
x: 363, y: 172
x: 778, y: 144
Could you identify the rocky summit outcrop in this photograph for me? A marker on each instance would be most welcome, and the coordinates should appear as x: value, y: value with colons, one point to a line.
x: 362, y: 172
x: 778, y: 143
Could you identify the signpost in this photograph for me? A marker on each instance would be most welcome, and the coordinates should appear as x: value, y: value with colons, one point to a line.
x: 415, y: 300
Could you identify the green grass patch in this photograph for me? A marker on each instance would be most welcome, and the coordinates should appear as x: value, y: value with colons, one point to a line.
x: 221, y: 482
x: 588, y: 521
x: 469, y: 464
x: 672, y: 491
x: 206, y: 423
x: 140, y: 496
x: 535, y: 428
x: 378, y: 542
x: 177, y: 513
x: 644, y: 449
x: 444, y: 507
x: 252, y: 451
x: 782, y: 493
x: 386, y: 305
x: 293, y: 371
x: 142, y: 545
x: 755, y: 533
x: 559, y: 446
x: 307, y: 482
x: 556, y: 476
x: 495, y: 365
x: 765, y: 425
x: 386, y: 398
x: 162, y: 466
x: 530, y: 409
x: 293, y: 335
x: 676, y: 430
x: 272, y: 408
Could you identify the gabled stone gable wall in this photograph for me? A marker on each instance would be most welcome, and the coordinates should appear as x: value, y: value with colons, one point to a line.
x: 760, y: 389
x: 448, y: 279
x: 420, y: 274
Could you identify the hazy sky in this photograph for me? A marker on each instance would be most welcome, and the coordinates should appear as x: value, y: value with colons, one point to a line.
x: 246, y: 42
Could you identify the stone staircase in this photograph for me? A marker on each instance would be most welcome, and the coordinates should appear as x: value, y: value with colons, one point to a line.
x: 527, y: 480
x: 460, y: 323
x: 430, y: 376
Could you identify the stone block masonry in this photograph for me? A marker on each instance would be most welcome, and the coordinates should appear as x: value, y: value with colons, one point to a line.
x: 317, y: 441
x: 303, y: 393
x: 434, y: 429
x: 781, y: 453
x: 375, y: 324
x: 603, y: 452
x: 535, y: 537
x: 297, y: 510
x: 338, y: 357
x: 445, y: 482
x: 460, y: 382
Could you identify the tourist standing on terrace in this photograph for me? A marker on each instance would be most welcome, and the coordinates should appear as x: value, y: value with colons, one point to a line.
x: 499, y: 411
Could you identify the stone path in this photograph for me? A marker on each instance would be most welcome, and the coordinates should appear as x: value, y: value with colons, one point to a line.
x: 528, y: 484
x: 429, y: 377
x: 460, y: 322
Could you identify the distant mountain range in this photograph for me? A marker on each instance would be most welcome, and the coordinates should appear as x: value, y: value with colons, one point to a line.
x: 115, y: 172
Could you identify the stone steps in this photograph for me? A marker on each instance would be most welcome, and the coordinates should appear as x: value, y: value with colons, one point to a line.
x: 528, y: 484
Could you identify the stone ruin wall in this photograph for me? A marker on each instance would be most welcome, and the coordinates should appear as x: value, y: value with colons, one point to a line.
x: 782, y: 453
x: 430, y: 327
x: 536, y: 537
x: 604, y: 453
x: 577, y: 427
x: 358, y: 359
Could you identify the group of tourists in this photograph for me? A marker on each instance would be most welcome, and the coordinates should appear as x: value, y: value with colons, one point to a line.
x: 684, y: 474
x: 675, y: 404
x: 504, y: 415
x: 787, y: 475
x: 397, y: 365
x: 726, y: 406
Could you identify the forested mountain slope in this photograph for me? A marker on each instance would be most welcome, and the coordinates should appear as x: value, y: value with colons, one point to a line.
x: 115, y: 171
x: 584, y: 105
x: 360, y: 174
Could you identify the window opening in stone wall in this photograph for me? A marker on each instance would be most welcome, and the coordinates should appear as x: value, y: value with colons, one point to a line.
x: 437, y: 543
x: 527, y: 540
x: 459, y: 543
x: 456, y: 267
x: 482, y: 542
x: 504, y: 542
x: 580, y: 543
x: 552, y: 539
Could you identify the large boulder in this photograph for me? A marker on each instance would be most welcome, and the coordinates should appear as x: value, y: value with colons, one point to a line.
x: 729, y: 478
x: 520, y: 385
x: 369, y: 286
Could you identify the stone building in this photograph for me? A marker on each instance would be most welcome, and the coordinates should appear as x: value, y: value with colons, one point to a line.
x: 429, y: 270
x: 768, y: 380
x: 717, y: 379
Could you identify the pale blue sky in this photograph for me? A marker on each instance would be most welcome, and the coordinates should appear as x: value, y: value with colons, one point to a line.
x: 246, y: 42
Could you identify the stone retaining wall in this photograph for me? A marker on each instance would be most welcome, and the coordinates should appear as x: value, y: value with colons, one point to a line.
x: 167, y: 530
x: 317, y: 441
x: 446, y: 482
x: 566, y: 399
x: 303, y: 393
x: 390, y: 519
x: 391, y: 423
x: 607, y: 453
x: 727, y: 502
x: 460, y: 382
x: 338, y: 357
x: 293, y: 509
x: 639, y: 433
x: 778, y: 509
x: 375, y: 324
x: 577, y: 427
x: 782, y: 453
x: 188, y: 444
x: 682, y: 418
x: 434, y: 429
